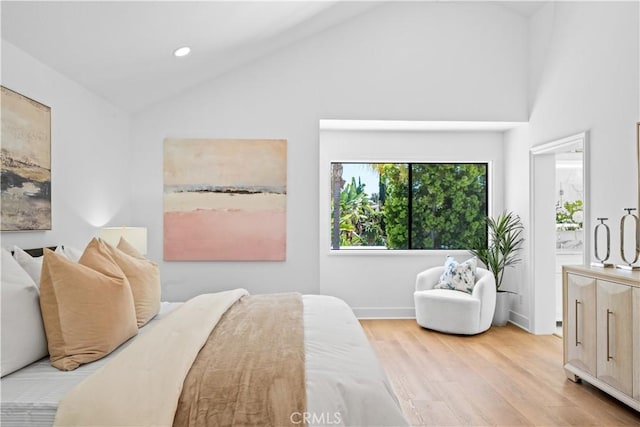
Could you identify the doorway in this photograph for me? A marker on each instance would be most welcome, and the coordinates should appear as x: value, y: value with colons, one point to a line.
x: 569, y: 216
x: 559, y: 216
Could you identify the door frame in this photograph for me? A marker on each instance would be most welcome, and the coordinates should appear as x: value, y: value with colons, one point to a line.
x: 542, y: 292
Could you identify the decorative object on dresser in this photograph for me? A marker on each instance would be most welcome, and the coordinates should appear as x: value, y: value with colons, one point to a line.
x: 601, y: 330
x: 629, y: 264
x: 602, y: 261
x: 26, y: 163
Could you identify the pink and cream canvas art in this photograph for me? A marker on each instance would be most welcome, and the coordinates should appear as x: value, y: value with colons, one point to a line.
x: 225, y: 199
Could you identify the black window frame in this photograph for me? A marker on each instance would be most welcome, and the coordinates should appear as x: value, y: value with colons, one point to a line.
x: 410, y: 196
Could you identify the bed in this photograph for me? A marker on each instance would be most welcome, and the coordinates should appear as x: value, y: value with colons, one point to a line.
x: 342, y: 380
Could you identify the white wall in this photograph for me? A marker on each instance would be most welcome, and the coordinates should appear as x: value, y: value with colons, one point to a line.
x: 572, y: 67
x: 584, y: 60
x: 569, y: 178
x: 590, y: 81
x: 409, y: 61
x: 381, y: 283
x: 516, y: 199
x: 89, y: 154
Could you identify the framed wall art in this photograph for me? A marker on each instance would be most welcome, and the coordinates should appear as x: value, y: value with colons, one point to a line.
x: 225, y: 199
x: 26, y: 163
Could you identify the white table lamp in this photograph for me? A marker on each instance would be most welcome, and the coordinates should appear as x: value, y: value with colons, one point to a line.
x: 136, y: 236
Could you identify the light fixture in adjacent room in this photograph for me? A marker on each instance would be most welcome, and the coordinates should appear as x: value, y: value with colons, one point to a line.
x: 182, y: 51
x: 136, y: 236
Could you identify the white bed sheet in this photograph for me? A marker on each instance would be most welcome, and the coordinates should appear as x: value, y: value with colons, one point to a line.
x: 345, y: 383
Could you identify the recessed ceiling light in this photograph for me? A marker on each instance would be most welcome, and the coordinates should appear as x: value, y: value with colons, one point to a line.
x: 182, y: 51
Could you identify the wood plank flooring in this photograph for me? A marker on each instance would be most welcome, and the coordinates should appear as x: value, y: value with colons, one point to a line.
x: 503, y: 377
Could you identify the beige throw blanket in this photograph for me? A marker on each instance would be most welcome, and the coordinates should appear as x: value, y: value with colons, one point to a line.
x: 141, y: 385
x: 251, y: 370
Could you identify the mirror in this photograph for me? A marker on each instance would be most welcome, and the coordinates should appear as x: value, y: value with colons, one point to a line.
x: 638, y: 154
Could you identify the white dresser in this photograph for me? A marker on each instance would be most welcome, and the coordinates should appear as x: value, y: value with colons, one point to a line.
x: 601, y: 329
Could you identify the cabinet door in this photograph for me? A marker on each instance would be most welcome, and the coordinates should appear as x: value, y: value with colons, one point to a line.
x: 615, y: 335
x: 580, y: 322
x: 636, y: 343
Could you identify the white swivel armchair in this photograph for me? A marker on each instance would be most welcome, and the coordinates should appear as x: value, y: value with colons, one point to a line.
x: 452, y: 311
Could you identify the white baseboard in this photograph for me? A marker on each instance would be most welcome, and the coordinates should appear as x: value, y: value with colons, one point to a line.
x: 384, y: 312
x: 410, y: 313
x: 519, y: 320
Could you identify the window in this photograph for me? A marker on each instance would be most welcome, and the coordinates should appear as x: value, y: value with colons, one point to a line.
x: 408, y: 205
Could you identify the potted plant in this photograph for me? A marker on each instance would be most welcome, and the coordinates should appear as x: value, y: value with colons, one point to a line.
x: 500, y: 252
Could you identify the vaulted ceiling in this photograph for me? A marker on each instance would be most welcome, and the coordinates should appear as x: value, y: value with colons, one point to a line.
x: 122, y: 50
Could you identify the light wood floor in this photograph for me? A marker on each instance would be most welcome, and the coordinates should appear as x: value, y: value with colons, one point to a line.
x: 503, y: 377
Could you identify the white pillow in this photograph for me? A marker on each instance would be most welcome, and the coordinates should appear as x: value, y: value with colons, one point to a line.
x: 23, y: 337
x: 458, y: 276
x: 30, y: 264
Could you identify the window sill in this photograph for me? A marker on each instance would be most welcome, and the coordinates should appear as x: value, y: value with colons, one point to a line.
x: 379, y: 251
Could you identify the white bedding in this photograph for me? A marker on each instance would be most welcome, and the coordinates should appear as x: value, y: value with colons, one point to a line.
x: 345, y: 383
x: 30, y: 396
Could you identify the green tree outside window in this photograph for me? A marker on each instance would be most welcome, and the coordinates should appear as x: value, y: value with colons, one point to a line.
x: 417, y: 206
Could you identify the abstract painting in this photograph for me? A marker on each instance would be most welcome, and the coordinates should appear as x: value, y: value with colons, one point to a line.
x: 225, y: 199
x: 25, y: 181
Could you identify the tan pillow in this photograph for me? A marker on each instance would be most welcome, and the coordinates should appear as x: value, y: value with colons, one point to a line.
x: 87, y: 307
x: 128, y: 249
x: 144, y: 278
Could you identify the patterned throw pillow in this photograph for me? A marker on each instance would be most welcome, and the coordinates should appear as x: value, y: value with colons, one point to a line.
x: 458, y: 276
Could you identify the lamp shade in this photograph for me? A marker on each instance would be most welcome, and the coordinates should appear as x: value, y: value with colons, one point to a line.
x: 136, y: 236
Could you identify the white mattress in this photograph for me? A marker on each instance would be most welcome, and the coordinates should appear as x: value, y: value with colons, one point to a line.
x: 345, y: 383
x: 30, y: 396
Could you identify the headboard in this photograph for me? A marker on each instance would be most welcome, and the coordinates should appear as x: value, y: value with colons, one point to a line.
x: 37, y: 251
